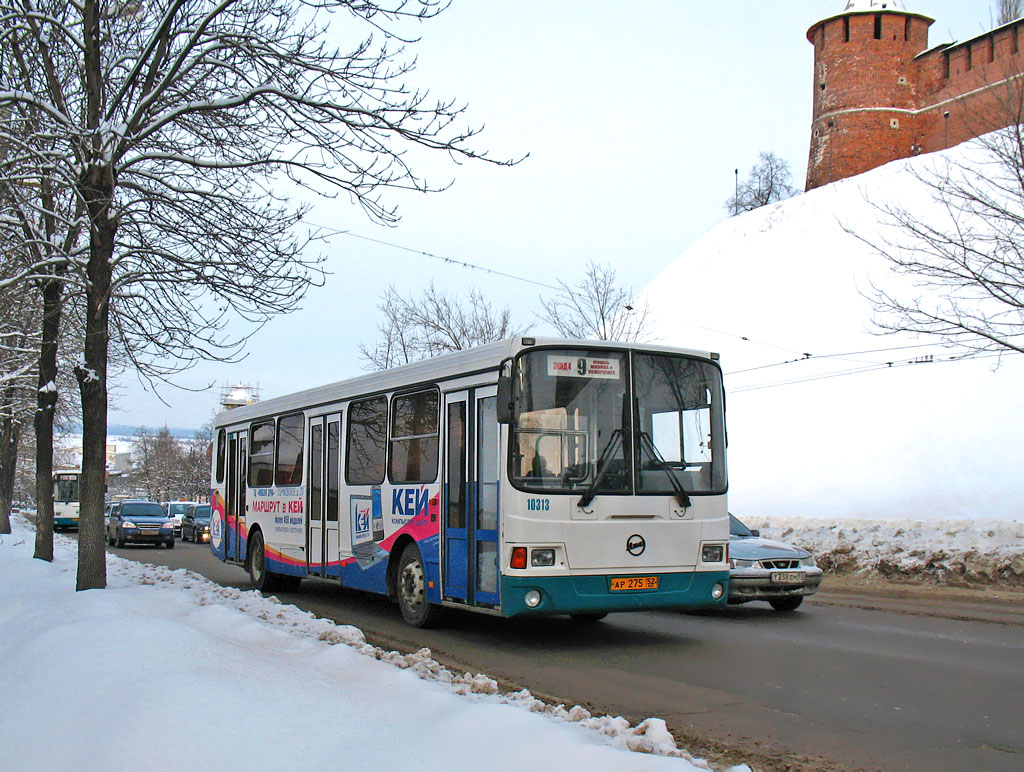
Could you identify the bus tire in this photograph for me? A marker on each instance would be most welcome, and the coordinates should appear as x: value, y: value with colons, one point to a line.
x: 416, y: 610
x: 588, y: 618
x: 261, y: 578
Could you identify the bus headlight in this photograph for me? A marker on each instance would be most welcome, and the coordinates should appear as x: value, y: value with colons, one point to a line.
x: 532, y: 598
x: 543, y: 557
x: 717, y: 591
x: 712, y: 553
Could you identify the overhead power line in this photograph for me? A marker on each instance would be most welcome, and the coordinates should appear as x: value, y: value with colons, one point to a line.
x: 802, y: 356
x: 808, y: 357
x: 442, y: 258
x: 870, y: 368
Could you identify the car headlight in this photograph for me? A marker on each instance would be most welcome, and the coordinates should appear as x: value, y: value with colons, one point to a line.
x: 167, y: 525
x: 127, y: 524
x: 736, y: 563
x: 808, y: 561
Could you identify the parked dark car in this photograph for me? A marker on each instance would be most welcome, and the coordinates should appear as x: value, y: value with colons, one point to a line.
x: 195, y: 524
x: 143, y: 522
x: 762, y: 569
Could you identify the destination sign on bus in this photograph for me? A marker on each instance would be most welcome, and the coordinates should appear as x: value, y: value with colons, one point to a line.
x: 583, y: 367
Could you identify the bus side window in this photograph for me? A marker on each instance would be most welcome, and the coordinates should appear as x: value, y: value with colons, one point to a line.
x: 290, y: 433
x: 367, y: 441
x: 261, y: 455
x: 414, y: 438
x: 221, y: 454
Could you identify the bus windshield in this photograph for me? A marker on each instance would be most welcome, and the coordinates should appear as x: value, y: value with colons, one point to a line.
x: 587, y: 418
x: 65, y: 487
x: 573, y: 412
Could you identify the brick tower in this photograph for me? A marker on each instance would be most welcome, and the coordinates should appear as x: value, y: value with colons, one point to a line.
x: 866, y: 89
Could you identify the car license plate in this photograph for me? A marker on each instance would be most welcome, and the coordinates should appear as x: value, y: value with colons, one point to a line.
x: 788, y: 577
x: 627, y: 583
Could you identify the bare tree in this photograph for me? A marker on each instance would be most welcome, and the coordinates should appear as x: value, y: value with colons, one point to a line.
x: 597, y: 307
x: 197, y: 453
x: 963, y: 262
x: 1008, y: 10
x: 769, y: 181
x: 158, y: 461
x: 175, y: 124
x: 418, y: 327
x: 45, y: 224
x: 18, y: 314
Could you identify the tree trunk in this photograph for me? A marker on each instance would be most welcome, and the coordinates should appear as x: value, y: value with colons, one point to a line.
x: 92, y: 381
x: 96, y: 188
x: 46, y: 403
x: 10, y: 434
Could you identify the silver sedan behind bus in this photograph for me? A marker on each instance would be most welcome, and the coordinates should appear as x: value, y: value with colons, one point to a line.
x: 762, y: 569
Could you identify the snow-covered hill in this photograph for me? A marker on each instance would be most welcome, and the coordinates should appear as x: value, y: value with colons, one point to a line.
x: 842, y: 433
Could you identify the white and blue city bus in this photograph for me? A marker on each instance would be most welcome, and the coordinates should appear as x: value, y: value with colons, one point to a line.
x: 525, y: 477
x: 65, y: 498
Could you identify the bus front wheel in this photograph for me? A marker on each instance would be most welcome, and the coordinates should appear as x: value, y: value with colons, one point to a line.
x: 588, y: 617
x: 412, y: 590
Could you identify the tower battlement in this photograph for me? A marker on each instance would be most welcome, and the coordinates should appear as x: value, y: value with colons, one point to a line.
x: 880, y: 93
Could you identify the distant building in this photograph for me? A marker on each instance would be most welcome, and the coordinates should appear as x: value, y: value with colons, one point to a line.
x: 238, y: 395
x: 880, y: 93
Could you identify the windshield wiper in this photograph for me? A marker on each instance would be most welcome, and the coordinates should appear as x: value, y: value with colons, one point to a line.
x: 681, y: 495
x: 602, y: 468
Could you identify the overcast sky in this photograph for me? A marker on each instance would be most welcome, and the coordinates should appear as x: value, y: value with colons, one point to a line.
x: 634, y: 116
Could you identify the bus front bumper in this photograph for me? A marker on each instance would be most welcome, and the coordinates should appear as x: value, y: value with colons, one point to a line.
x: 594, y: 594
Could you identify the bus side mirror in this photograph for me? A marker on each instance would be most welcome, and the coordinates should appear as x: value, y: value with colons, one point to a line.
x: 505, y: 404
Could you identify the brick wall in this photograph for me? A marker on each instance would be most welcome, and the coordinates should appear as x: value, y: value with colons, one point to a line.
x: 879, y: 94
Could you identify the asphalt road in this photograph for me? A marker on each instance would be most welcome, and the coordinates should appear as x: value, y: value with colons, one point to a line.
x: 846, y: 682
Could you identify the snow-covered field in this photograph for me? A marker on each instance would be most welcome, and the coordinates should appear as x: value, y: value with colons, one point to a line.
x: 165, y: 670
x: 947, y: 552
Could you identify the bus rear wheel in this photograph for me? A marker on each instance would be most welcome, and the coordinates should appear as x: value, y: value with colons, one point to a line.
x: 412, y: 590
x: 262, y: 579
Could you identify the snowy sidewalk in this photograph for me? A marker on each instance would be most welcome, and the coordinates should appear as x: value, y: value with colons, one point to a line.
x: 165, y: 670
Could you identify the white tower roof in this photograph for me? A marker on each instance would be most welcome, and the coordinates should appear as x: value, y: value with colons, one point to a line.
x: 864, y: 6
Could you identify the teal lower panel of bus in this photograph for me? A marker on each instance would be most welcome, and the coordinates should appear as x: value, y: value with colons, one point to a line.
x: 65, y: 522
x: 593, y: 594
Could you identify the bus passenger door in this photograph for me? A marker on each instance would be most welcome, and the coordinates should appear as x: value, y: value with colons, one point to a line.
x: 332, y: 508
x: 235, y: 504
x: 472, y: 467
x: 315, y: 499
x: 322, y: 497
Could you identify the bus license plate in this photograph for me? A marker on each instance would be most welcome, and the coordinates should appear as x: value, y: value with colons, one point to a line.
x: 627, y: 583
x: 788, y: 577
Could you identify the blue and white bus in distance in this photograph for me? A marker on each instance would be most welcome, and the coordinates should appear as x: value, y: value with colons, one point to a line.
x: 526, y: 477
x: 65, y: 499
